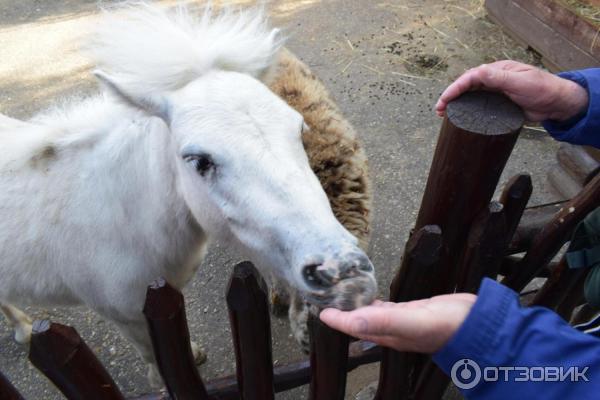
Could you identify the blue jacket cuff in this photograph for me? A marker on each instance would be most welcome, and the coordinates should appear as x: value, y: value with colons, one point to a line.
x: 581, y: 129
x: 475, y: 336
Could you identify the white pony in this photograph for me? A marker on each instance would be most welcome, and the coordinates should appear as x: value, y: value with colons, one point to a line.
x: 185, y: 146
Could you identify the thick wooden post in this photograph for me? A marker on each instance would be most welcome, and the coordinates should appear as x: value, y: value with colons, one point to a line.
x: 414, y: 280
x: 167, y: 323
x: 328, y: 361
x: 7, y: 390
x: 551, y: 238
x: 59, y: 353
x: 475, y: 141
x: 251, y: 330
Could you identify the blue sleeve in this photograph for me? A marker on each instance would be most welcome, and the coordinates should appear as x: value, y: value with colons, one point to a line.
x: 585, y: 128
x: 498, y: 332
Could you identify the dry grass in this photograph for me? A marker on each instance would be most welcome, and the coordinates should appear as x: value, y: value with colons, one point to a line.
x: 586, y: 10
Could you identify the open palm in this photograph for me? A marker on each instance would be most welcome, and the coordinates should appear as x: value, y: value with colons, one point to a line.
x: 422, y: 326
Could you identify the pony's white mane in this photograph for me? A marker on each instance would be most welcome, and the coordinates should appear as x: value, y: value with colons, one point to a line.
x: 147, y: 48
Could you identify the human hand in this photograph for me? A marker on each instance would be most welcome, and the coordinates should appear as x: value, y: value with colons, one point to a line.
x: 541, y: 94
x: 422, y: 326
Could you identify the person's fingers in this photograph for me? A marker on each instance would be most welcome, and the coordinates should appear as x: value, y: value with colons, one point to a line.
x: 455, y: 296
x: 361, y: 327
x: 385, y: 304
x: 502, y: 76
x: 398, y: 330
x: 348, y: 322
x: 365, y: 321
x: 467, y: 81
x: 393, y: 342
x: 511, y: 65
x: 454, y: 90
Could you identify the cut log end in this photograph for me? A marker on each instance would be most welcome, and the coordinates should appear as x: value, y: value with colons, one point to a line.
x: 485, y: 113
x: 40, y: 326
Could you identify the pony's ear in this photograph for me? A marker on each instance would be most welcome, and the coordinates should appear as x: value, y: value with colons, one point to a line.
x: 155, y: 105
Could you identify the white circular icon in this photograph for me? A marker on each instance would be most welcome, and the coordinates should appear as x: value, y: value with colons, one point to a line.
x: 465, y: 374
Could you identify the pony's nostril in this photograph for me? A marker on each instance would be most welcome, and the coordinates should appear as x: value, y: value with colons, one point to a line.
x: 315, y: 276
x: 332, y: 271
x: 358, y: 262
x: 365, y: 266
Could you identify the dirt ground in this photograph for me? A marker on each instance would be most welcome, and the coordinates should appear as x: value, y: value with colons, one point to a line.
x: 385, y: 62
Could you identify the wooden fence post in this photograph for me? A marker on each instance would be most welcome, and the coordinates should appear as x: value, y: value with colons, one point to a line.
x: 251, y: 329
x: 576, y: 298
x: 484, y: 248
x: 7, y: 390
x: 481, y: 257
x: 59, y: 353
x: 167, y: 323
x: 559, y: 285
x: 531, y: 223
x: 586, y: 313
x: 475, y: 141
x: 414, y: 280
x: 552, y: 236
x: 328, y: 361
x: 514, y: 198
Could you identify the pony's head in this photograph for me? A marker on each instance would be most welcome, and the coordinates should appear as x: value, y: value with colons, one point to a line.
x: 240, y: 164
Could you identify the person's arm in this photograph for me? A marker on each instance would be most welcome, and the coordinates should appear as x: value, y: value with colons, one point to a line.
x: 584, y: 127
x: 568, y: 104
x: 498, y: 332
x: 492, y: 330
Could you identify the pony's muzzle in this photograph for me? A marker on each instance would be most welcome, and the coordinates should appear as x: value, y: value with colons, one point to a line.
x: 342, y: 282
x: 332, y: 271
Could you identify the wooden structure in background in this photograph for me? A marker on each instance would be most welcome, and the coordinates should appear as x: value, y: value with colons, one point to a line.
x: 576, y: 165
x: 564, y: 38
x: 461, y: 235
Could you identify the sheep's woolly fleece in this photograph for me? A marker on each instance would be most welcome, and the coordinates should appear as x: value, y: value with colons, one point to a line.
x: 335, y: 153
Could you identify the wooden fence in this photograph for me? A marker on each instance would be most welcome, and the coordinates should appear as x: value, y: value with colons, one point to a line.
x: 460, y: 236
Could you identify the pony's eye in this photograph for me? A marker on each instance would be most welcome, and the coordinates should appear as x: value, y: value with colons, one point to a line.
x: 201, y: 162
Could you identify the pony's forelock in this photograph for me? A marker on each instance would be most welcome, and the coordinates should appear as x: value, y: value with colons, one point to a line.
x: 148, y: 48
